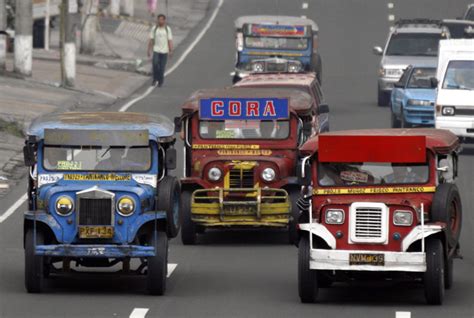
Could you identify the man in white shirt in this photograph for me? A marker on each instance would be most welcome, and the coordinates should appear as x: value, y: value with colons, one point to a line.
x: 161, y: 45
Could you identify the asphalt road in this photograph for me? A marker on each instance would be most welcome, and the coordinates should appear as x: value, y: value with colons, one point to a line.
x: 253, y: 274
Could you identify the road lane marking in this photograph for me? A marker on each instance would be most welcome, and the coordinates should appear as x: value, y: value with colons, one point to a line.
x: 403, y: 314
x: 125, y: 107
x: 181, y: 58
x: 391, y: 17
x: 13, y: 208
x: 171, y: 268
x: 139, y: 312
x: 390, y: 5
x: 305, y: 5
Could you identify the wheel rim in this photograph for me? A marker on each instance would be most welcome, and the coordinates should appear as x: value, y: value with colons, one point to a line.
x: 453, y: 217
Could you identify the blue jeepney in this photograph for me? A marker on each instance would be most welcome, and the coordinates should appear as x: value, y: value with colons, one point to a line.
x: 276, y: 44
x: 100, y: 195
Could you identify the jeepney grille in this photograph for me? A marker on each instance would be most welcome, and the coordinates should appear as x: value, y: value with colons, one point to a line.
x: 241, y: 178
x: 95, y: 211
x: 369, y: 223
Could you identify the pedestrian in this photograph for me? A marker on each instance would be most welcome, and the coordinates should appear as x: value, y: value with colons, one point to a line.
x: 160, y: 46
x: 152, y: 7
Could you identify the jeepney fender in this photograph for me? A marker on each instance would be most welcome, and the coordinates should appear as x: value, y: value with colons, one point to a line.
x: 415, y: 235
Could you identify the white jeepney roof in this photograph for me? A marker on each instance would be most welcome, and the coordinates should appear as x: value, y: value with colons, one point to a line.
x: 275, y: 19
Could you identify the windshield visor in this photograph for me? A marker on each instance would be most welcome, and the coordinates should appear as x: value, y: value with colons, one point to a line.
x: 414, y: 44
x: 368, y: 173
x: 81, y: 158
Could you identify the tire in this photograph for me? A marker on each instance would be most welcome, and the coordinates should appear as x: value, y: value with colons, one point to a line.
x: 294, y: 195
x: 448, y: 273
x: 447, y: 208
x: 403, y: 123
x: 395, y: 122
x: 383, y: 98
x: 307, y: 278
x: 158, y: 264
x: 434, y: 275
x: 168, y: 200
x: 34, y: 265
x: 188, y: 231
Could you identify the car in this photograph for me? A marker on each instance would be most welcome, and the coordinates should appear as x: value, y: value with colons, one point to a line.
x: 454, y: 84
x: 469, y: 15
x: 305, y: 82
x: 379, y: 204
x: 276, y: 44
x: 100, y: 194
x: 459, y: 29
x: 411, y: 41
x: 240, y: 158
x: 413, y: 97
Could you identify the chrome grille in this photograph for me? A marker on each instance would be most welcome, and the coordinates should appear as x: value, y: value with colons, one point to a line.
x: 95, y: 211
x: 368, y: 223
x: 241, y: 178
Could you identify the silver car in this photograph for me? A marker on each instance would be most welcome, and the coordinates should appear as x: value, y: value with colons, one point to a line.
x: 412, y: 41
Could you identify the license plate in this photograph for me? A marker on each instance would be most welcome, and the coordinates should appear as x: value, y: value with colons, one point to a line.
x: 367, y: 259
x: 240, y: 210
x: 96, y: 232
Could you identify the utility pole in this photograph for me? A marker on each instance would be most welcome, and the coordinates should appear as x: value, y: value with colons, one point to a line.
x: 128, y: 8
x: 114, y: 6
x: 89, y: 26
x: 68, y: 44
x: 3, y: 37
x: 23, y: 58
x: 46, y: 25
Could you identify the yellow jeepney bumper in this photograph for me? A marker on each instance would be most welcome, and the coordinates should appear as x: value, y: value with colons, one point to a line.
x: 252, y: 207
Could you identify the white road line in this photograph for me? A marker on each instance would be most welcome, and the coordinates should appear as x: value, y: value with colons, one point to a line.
x: 391, y: 17
x: 125, y: 107
x: 139, y: 312
x: 171, y: 268
x: 305, y: 5
x: 13, y: 208
x: 181, y: 58
x: 403, y: 314
x: 390, y: 5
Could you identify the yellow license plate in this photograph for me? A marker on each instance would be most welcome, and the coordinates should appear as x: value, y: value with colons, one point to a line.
x: 240, y: 210
x: 366, y: 259
x: 96, y: 232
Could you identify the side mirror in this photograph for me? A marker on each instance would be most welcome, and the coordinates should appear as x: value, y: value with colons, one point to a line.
x: 171, y: 159
x: 434, y: 82
x: 445, y: 166
x: 307, y: 128
x: 398, y: 85
x: 304, y: 173
x: 29, y: 155
x: 178, y: 124
x: 323, y: 109
x: 377, y: 50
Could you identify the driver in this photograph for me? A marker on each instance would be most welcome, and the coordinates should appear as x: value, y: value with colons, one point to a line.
x: 114, y: 161
x: 402, y: 174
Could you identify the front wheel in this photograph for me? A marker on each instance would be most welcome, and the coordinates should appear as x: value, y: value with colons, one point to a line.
x: 158, y: 264
x: 307, y: 278
x: 395, y: 121
x: 168, y: 201
x: 33, y: 264
x: 188, y: 231
x: 434, y: 275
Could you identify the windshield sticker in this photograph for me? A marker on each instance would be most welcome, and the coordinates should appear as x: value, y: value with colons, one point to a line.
x: 69, y: 165
x: 97, y: 177
x: 354, y: 176
x: 225, y: 134
x: 217, y: 146
x: 49, y: 178
x: 277, y: 30
x: 388, y: 190
x: 263, y: 152
x: 244, y: 108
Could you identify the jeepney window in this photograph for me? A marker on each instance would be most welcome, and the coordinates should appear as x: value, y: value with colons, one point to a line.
x: 459, y: 75
x: 87, y: 158
x: 369, y: 173
x: 421, y: 77
x: 244, y: 129
x: 276, y: 43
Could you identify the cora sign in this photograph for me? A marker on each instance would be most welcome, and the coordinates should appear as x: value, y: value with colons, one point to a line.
x: 244, y: 108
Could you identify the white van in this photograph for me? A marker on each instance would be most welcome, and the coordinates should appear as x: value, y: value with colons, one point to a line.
x: 455, y: 93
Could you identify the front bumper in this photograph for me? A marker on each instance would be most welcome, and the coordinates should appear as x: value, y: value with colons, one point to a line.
x: 462, y: 127
x: 95, y: 250
x: 419, y: 115
x: 241, y: 207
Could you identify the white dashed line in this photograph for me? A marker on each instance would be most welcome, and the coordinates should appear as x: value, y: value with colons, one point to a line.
x: 390, y: 5
x: 305, y: 5
x: 171, y: 268
x: 391, y: 17
x: 403, y: 314
x: 139, y: 312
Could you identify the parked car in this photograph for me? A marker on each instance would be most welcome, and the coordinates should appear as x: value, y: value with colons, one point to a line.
x: 100, y: 194
x: 379, y: 204
x: 305, y: 82
x: 455, y: 88
x: 276, y: 44
x: 409, y: 42
x: 413, y: 97
x: 240, y: 158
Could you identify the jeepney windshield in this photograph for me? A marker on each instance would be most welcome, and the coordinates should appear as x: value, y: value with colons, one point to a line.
x: 276, y: 43
x: 369, y: 173
x: 459, y: 75
x: 96, y: 158
x: 244, y: 129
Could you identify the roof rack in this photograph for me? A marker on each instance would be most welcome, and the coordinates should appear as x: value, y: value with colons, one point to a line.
x: 403, y: 22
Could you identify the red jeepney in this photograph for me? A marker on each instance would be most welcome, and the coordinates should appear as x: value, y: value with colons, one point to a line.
x: 240, y: 158
x: 379, y: 201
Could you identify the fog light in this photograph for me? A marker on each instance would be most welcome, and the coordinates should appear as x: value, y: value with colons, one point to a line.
x: 339, y: 234
x: 396, y: 236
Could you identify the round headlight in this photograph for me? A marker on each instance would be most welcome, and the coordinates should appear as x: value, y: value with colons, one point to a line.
x: 268, y: 174
x: 64, y: 205
x: 334, y: 216
x: 125, y: 206
x: 403, y: 218
x: 257, y: 67
x: 214, y: 174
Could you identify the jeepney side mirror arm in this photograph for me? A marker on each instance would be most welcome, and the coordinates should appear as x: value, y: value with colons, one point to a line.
x: 307, y: 128
x: 29, y: 152
x: 434, y: 82
x: 178, y: 124
x: 323, y: 109
x: 171, y: 158
x: 304, y: 171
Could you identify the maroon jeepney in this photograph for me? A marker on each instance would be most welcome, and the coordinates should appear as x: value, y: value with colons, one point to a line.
x: 240, y: 158
x: 381, y: 201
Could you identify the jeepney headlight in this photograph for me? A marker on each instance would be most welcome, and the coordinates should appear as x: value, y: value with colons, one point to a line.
x: 294, y: 67
x: 334, y: 216
x: 258, y: 67
x: 402, y: 218
x: 214, y: 174
x: 64, y: 205
x: 268, y: 174
x: 417, y: 102
x: 126, y: 206
x: 448, y: 111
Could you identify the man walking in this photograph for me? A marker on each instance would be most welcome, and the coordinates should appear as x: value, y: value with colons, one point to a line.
x: 161, y: 45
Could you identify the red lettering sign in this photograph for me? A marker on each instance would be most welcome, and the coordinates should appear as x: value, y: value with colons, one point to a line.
x: 252, y: 108
x: 235, y: 108
x: 269, y: 109
x: 216, y: 108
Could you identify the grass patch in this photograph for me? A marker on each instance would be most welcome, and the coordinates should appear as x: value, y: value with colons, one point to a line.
x: 12, y: 128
